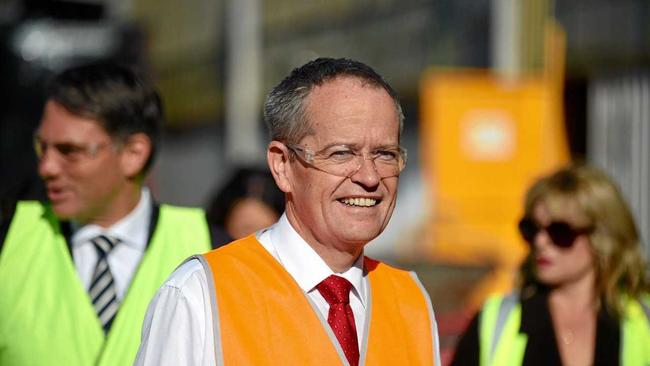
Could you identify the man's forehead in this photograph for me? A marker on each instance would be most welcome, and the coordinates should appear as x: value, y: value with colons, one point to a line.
x: 343, y: 94
x: 57, y: 122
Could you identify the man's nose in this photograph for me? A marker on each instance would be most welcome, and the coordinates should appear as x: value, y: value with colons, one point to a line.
x: 49, y: 164
x: 367, y: 175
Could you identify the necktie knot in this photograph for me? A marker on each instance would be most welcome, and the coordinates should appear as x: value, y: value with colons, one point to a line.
x: 104, y: 244
x: 335, y: 290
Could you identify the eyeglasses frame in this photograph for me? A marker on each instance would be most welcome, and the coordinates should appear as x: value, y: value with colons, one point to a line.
x: 307, y: 156
x: 576, y: 232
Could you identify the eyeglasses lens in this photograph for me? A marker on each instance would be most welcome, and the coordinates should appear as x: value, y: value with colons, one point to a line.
x: 561, y: 233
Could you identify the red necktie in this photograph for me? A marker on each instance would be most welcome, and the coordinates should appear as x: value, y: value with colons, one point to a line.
x: 336, y: 291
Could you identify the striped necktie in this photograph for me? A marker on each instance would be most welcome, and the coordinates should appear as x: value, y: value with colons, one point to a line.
x: 102, y: 287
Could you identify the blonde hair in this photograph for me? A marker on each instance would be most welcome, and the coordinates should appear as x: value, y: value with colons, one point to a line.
x: 618, y: 259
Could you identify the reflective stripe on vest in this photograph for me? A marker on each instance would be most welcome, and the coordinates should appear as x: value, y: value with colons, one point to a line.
x: 262, y: 316
x: 501, y: 343
x: 500, y: 319
x: 46, y: 317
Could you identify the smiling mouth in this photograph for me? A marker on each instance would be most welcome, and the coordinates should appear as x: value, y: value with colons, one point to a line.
x: 359, y: 202
x: 54, y: 193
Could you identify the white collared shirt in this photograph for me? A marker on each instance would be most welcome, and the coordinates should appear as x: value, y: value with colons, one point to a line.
x: 132, y: 231
x: 308, y: 269
x: 179, y: 319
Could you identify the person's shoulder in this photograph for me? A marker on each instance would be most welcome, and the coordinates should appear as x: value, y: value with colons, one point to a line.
x: 180, y: 210
x: 10, y: 208
x: 372, y: 264
x: 397, y: 279
x: 237, y: 246
x: 640, y: 304
x: 190, y: 271
x: 181, y: 217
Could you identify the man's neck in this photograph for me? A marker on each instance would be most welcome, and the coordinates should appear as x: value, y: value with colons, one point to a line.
x: 121, y: 205
x: 338, y: 261
x: 339, y: 258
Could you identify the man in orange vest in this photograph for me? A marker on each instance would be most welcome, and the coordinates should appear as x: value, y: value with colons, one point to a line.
x: 301, y: 292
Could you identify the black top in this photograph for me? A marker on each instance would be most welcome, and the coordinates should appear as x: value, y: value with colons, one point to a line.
x: 541, y: 348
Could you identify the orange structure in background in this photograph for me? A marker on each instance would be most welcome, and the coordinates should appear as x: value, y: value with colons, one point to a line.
x: 484, y: 139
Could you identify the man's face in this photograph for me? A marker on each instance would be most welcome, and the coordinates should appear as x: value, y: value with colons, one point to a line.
x: 345, y: 111
x: 80, y: 165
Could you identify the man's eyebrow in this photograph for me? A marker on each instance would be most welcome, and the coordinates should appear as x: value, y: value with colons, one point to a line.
x: 339, y: 144
x: 386, y: 146
x: 354, y: 146
x: 66, y: 143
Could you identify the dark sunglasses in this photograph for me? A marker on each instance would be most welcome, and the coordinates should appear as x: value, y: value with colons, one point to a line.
x: 561, y: 233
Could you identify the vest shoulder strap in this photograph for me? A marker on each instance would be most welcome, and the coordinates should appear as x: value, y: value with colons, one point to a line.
x: 492, y: 323
x: 506, y: 307
x: 645, y: 307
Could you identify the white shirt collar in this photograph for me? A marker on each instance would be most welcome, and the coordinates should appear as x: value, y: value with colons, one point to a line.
x: 132, y: 229
x: 303, y: 263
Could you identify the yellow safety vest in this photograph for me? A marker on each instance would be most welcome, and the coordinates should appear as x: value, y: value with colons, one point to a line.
x: 501, y: 343
x: 46, y: 316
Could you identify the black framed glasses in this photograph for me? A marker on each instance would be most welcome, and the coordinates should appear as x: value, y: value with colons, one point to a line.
x: 561, y: 233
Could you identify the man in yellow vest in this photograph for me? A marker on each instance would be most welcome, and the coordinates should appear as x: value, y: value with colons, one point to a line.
x: 302, y: 292
x: 78, y: 271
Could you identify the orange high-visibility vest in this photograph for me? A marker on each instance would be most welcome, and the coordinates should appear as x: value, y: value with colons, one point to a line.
x: 262, y: 317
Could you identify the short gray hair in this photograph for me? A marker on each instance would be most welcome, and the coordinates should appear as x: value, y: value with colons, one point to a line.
x: 284, y: 108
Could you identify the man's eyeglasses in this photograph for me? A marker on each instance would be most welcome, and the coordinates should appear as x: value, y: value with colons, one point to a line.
x: 70, y: 152
x: 562, y: 234
x: 343, y: 161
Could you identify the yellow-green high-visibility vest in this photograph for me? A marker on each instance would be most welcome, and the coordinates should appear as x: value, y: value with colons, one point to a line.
x: 46, y: 315
x: 501, y: 343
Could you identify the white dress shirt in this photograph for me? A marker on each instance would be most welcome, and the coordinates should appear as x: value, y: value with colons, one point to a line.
x: 177, y: 327
x: 132, y: 231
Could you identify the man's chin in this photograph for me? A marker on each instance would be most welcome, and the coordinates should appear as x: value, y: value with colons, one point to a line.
x: 64, y: 212
x: 360, y: 237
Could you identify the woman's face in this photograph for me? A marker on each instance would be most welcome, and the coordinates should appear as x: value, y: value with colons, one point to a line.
x: 247, y: 216
x: 556, y: 266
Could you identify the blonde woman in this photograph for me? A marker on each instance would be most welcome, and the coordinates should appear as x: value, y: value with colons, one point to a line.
x: 583, y: 298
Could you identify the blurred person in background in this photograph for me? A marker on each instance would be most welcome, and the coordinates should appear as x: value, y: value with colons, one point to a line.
x: 584, y: 293
x: 301, y: 292
x: 248, y: 201
x: 79, y: 270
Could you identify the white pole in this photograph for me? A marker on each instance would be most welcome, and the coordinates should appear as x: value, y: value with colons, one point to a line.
x: 506, y: 38
x: 244, y: 142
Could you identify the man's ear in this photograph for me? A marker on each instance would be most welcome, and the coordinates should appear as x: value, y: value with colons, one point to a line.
x: 135, y: 153
x: 277, y: 155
